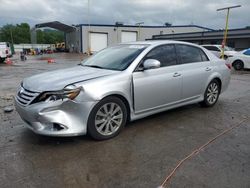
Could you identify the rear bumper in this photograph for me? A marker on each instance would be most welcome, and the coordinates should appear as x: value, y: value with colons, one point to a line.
x: 226, y: 81
x: 59, y: 118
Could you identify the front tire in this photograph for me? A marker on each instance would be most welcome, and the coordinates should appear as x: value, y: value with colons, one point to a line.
x: 238, y: 65
x: 212, y: 93
x: 107, y: 118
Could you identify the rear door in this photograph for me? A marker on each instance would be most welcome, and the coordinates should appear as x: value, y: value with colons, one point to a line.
x: 195, y: 68
x: 156, y: 88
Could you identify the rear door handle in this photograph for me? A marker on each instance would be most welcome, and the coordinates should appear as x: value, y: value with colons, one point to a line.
x: 208, y: 69
x: 176, y: 74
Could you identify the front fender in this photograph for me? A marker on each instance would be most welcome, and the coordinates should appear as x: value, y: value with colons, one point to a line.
x: 96, y: 90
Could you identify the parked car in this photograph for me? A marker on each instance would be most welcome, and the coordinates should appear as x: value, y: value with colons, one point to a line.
x: 217, y: 50
x: 5, y: 51
x: 240, y: 60
x: 120, y: 84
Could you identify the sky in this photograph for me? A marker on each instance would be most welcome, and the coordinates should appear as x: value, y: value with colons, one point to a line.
x: 151, y: 12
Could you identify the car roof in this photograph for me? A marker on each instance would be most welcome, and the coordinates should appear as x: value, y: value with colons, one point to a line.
x: 159, y: 42
x: 217, y: 45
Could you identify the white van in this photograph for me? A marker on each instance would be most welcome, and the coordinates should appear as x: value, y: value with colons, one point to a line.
x: 5, y: 51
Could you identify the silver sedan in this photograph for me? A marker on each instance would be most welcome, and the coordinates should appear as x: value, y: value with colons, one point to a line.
x: 120, y: 84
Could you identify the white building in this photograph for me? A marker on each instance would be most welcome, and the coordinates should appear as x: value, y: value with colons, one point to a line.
x: 94, y: 37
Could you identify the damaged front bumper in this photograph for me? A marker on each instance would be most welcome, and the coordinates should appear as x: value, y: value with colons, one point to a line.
x: 57, y: 118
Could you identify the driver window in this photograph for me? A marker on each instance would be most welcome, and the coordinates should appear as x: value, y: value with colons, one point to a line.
x: 165, y: 54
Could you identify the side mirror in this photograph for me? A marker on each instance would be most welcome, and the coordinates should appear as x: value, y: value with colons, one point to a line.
x: 151, y: 64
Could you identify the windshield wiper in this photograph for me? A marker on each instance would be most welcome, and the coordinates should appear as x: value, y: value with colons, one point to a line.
x: 94, y: 66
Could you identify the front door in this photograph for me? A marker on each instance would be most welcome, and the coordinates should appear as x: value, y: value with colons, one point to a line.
x: 157, y: 88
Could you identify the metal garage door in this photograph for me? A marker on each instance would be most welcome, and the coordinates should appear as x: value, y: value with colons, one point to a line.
x: 129, y: 36
x: 98, y: 41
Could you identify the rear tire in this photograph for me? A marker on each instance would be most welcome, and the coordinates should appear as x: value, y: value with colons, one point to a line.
x: 238, y: 65
x: 212, y: 93
x: 107, y: 118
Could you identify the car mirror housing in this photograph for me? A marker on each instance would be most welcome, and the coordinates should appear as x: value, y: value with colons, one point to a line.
x: 151, y: 64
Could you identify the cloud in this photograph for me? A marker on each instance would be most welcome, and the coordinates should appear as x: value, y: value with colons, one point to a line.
x: 151, y: 12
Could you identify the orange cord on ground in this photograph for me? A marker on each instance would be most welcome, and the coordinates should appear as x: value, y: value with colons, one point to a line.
x: 196, y: 151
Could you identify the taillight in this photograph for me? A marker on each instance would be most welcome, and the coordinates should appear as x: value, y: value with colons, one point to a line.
x: 6, y: 51
x: 228, y: 66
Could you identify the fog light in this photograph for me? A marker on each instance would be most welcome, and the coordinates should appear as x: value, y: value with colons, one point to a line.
x: 57, y: 127
x: 54, y: 126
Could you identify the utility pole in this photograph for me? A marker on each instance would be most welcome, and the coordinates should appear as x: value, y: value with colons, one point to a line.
x: 11, y: 36
x: 226, y: 27
x: 88, y: 50
x: 139, y: 29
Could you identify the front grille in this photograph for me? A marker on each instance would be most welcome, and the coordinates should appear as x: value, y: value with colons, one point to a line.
x: 25, y: 97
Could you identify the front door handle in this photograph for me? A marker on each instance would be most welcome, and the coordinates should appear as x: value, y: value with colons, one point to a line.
x: 176, y: 74
x: 208, y: 69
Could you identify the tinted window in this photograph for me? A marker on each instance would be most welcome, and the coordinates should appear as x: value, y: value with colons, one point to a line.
x: 165, y: 54
x: 247, y: 52
x: 204, y: 56
x: 189, y: 54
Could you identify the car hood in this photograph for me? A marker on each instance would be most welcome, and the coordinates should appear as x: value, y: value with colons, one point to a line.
x: 57, y: 80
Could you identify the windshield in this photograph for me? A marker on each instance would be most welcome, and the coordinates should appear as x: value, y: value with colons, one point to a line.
x: 115, y: 58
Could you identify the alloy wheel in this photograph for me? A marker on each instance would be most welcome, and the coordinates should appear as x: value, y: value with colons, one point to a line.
x: 212, y: 93
x: 108, y: 118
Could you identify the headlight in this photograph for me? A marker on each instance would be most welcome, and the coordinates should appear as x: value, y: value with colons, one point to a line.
x: 70, y: 92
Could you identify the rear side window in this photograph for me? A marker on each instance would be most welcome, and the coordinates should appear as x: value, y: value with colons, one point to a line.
x: 190, y: 54
x: 165, y: 54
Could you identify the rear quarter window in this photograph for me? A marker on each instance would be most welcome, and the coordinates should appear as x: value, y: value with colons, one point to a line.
x: 204, y: 56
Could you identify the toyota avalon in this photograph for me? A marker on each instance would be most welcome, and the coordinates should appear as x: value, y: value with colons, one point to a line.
x: 120, y: 84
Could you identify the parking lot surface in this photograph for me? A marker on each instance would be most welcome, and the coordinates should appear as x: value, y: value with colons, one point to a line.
x: 143, y: 154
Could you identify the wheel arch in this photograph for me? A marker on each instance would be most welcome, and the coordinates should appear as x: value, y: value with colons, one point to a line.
x: 219, y: 81
x: 237, y: 60
x: 123, y: 99
x: 215, y: 76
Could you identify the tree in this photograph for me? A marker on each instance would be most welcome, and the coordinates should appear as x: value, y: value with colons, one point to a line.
x: 20, y: 33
